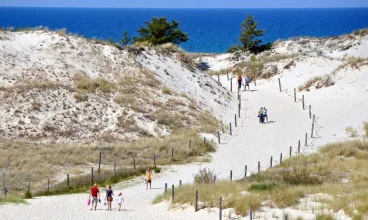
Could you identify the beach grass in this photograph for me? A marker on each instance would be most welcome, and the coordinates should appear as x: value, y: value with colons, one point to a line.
x: 35, y: 163
x: 337, y: 170
x: 11, y: 198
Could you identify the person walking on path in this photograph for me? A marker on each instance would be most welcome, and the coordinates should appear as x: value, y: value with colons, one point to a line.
x: 94, y: 193
x: 120, y: 200
x: 109, y: 194
x: 260, y: 115
x: 246, y: 83
x: 148, y: 177
x: 240, y: 79
x: 265, y: 114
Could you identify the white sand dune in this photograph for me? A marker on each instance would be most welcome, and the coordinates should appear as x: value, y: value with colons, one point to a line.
x: 336, y: 107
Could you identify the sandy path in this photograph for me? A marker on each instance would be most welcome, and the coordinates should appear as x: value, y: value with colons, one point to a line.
x: 250, y: 143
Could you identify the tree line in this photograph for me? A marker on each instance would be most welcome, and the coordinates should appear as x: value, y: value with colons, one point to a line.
x: 160, y: 31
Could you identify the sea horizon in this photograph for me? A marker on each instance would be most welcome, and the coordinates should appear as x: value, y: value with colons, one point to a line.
x: 210, y: 30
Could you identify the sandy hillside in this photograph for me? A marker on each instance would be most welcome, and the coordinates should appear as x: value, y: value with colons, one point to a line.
x: 60, y: 88
x: 338, y: 102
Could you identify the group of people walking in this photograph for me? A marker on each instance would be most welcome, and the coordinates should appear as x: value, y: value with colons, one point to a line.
x: 95, y: 194
x: 262, y: 114
x: 245, y: 84
x: 95, y: 197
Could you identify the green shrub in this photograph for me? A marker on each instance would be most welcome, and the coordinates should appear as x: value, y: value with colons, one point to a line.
x: 28, y: 194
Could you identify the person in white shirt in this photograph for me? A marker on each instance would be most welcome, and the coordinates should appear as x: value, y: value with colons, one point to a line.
x: 120, y: 200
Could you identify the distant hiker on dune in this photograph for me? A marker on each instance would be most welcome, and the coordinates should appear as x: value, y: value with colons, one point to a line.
x: 148, y: 177
x: 265, y: 114
x: 94, y: 193
x: 246, y: 83
x: 260, y: 115
x: 240, y: 79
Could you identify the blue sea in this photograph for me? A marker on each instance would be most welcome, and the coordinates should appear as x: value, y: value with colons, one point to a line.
x: 209, y: 30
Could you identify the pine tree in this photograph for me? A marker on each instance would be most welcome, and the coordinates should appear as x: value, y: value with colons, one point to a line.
x: 159, y: 31
x: 249, y: 33
x: 125, y: 40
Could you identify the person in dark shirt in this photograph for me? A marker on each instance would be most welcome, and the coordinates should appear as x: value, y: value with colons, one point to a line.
x: 109, y: 198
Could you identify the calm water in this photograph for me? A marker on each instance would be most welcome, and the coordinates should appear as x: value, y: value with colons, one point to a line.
x: 209, y: 30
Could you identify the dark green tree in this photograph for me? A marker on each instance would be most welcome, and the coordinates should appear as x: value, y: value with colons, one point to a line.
x: 159, y: 31
x: 125, y: 39
x: 249, y: 33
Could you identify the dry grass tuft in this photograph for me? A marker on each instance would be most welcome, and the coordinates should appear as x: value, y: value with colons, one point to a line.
x: 87, y: 84
x: 365, y: 128
x: 307, y: 85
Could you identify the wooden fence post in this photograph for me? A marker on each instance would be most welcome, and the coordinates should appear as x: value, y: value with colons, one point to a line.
x: 3, y: 190
x: 99, y: 163
x: 154, y: 159
x: 196, y: 201
x: 172, y: 152
x: 239, y: 110
x: 306, y: 139
x: 303, y: 101
x: 29, y: 187
x: 271, y: 162
x: 281, y: 158
x: 299, y: 149
x: 310, y: 111
x: 236, y: 124
x: 231, y: 133
x: 280, y: 84
x: 250, y: 213
x: 48, y: 184
x: 134, y: 162
x: 259, y: 166
x: 92, y: 175
x: 314, y: 118
x: 220, y: 207
x: 231, y: 85
x: 231, y: 175
x: 114, y: 169
x: 294, y: 94
x: 67, y: 179
x: 165, y: 187
x: 299, y: 144
x: 190, y: 143
x: 218, y: 136
x: 218, y: 78
x: 254, y: 77
x: 245, y: 171
x: 227, y: 73
x: 291, y: 150
x: 172, y: 193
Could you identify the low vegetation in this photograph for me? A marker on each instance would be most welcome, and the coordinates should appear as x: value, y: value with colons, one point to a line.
x: 338, y: 170
x: 256, y: 65
x: 44, y: 161
x: 307, y: 85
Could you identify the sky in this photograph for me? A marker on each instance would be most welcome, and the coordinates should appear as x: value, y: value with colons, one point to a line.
x: 187, y: 3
